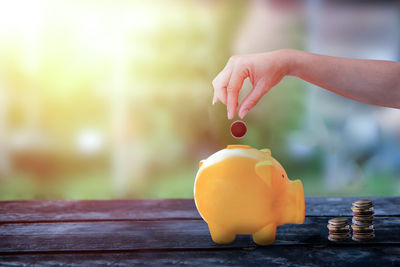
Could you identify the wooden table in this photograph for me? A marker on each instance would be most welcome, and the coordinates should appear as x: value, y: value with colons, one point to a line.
x: 171, y: 232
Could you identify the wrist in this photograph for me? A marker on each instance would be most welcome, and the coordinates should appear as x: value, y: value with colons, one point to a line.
x: 290, y: 57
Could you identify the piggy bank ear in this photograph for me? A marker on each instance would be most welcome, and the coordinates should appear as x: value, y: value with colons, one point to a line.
x: 264, y: 171
x: 267, y: 151
x: 201, y: 163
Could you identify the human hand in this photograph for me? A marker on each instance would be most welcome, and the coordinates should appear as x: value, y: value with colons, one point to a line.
x: 264, y: 70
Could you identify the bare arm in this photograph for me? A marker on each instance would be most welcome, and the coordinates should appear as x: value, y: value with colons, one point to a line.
x: 374, y: 82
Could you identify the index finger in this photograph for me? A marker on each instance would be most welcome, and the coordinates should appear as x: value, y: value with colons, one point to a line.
x: 235, y: 84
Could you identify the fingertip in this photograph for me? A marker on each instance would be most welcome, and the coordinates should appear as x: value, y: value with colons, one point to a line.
x: 243, y: 112
x: 231, y: 108
x: 231, y: 112
x: 224, y: 100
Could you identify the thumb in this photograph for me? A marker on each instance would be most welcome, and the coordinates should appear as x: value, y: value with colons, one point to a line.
x: 252, y: 99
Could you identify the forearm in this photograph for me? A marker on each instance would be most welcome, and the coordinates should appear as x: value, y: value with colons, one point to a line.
x: 374, y: 82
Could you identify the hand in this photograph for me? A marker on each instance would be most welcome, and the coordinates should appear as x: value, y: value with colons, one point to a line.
x: 264, y: 71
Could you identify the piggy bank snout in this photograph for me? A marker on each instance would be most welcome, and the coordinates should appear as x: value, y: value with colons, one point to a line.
x: 294, y: 208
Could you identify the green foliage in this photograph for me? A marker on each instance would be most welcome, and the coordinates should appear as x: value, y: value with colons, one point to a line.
x: 140, y: 73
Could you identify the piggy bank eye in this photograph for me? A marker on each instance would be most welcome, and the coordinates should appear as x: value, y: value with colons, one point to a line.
x: 283, y: 176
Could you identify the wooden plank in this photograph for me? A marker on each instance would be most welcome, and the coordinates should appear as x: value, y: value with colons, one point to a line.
x: 155, y: 209
x: 337, y: 207
x: 263, y: 256
x: 97, y: 210
x: 159, y: 235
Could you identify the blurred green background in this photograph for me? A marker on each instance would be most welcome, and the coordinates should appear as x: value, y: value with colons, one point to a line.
x: 112, y: 99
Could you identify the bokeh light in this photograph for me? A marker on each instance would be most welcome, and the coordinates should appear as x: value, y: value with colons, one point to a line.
x: 112, y: 99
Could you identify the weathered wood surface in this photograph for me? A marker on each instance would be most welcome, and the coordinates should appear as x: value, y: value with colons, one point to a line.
x: 155, y: 209
x: 189, y: 234
x: 167, y: 232
x: 97, y: 210
x: 262, y: 256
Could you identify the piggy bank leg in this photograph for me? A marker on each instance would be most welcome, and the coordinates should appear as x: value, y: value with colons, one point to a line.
x: 266, y: 235
x: 221, y: 235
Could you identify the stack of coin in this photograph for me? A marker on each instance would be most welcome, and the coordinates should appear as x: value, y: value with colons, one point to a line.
x: 339, y: 229
x: 363, y: 216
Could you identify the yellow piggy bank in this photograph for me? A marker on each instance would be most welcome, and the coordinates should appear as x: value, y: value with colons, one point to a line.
x: 242, y: 190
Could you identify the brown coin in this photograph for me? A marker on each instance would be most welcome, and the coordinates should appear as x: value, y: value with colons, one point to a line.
x: 339, y: 227
x: 360, y: 238
x: 357, y: 209
x: 359, y: 218
x: 367, y: 213
x: 363, y: 232
x: 363, y: 221
x: 362, y: 203
x: 338, y: 238
x: 362, y: 224
x: 343, y: 231
x: 238, y: 129
x: 341, y: 235
x: 338, y: 221
x: 360, y: 227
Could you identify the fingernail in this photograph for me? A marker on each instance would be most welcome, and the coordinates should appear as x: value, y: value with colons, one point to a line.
x: 214, y: 100
x: 243, y: 113
x: 229, y: 115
